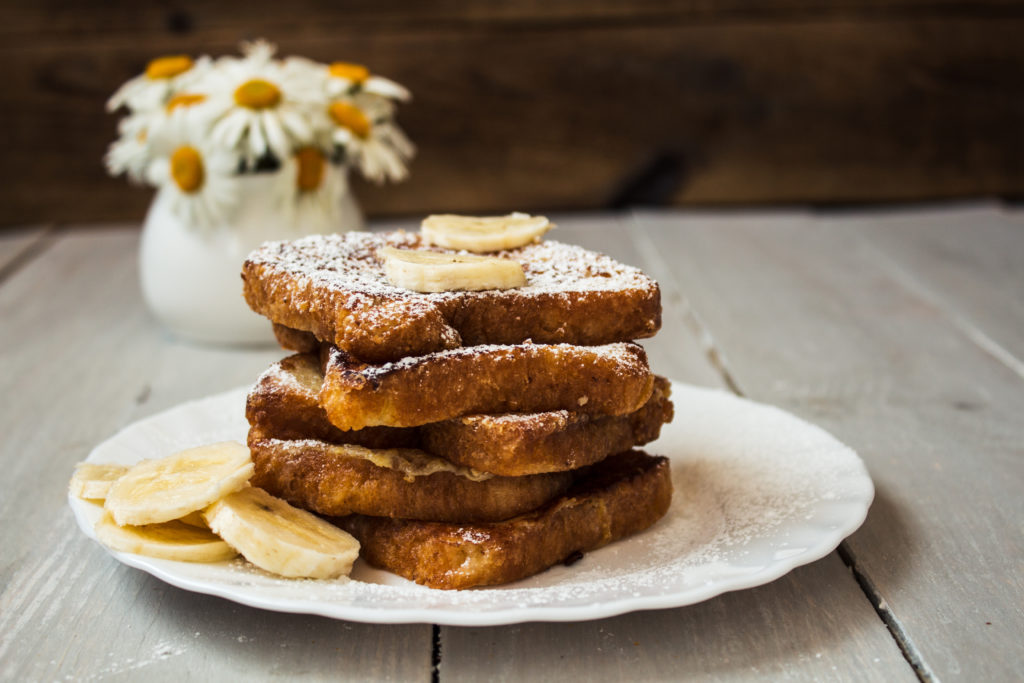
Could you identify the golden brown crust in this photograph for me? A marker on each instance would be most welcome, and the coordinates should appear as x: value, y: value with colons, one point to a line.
x: 295, y: 340
x: 622, y: 495
x: 555, y: 441
x: 325, y: 479
x: 368, y: 327
x: 613, y: 379
x: 284, y: 404
x: 335, y: 288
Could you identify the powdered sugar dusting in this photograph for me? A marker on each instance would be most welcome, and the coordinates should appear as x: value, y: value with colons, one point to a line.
x: 298, y: 374
x: 335, y: 286
x: 350, y: 262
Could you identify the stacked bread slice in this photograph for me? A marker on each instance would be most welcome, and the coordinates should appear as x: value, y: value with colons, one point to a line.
x: 466, y: 438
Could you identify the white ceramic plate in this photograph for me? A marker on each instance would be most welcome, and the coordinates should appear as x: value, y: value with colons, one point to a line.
x: 757, y: 493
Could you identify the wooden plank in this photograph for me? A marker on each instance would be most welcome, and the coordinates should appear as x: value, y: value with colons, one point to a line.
x: 812, y: 624
x: 18, y: 244
x: 980, y: 288
x: 24, y: 24
x: 808, y: 318
x: 805, y: 626
x: 525, y: 116
x: 85, y: 361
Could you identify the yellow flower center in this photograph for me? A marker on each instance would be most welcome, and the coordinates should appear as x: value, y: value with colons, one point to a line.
x: 257, y: 94
x: 357, y: 73
x: 187, y: 168
x: 168, y: 67
x: 311, y: 168
x: 184, y: 100
x: 350, y: 116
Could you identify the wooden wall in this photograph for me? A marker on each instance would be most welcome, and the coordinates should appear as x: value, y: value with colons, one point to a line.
x: 527, y: 104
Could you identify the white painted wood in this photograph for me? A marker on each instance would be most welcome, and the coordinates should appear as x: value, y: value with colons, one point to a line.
x: 809, y: 625
x: 808, y: 316
x: 80, y: 358
x: 15, y: 241
x: 965, y: 260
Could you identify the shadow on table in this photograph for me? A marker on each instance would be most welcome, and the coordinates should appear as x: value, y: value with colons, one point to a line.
x: 888, y: 525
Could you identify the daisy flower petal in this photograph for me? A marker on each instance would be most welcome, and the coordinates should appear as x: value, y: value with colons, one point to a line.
x: 378, y: 85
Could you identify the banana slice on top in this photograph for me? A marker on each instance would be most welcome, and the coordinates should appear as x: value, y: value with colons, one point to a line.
x: 168, y: 540
x: 92, y: 481
x: 280, y: 538
x: 429, y: 271
x: 170, y: 488
x: 481, y: 234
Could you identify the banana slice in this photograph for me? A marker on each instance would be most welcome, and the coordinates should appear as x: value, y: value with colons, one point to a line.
x: 428, y: 271
x: 195, y: 519
x: 170, y: 488
x: 481, y: 234
x: 167, y: 540
x: 93, y: 481
x: 280, y: 538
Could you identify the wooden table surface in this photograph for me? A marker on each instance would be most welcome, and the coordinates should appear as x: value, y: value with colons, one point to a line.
x: 901, y: 332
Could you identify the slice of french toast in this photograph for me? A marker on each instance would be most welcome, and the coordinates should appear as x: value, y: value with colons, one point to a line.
x: 612, y: 379
x: 517, y: 444
x: 284, y: 404
x: 618, y: 497
x: 332, y: 479
x: 335, y: 287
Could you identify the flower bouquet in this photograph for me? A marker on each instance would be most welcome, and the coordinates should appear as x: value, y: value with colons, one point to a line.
x: 196, y: 127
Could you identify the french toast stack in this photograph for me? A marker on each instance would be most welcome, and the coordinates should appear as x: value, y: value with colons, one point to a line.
x: 469, y: 423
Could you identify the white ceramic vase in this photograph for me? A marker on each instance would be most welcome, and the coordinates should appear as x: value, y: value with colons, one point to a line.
x: 191, y: 276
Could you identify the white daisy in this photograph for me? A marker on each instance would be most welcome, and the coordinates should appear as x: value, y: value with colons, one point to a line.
x: 200, y: 178
x: 373, y: 143
x: 130, y: 153
x: 318, y: 187
x: 163, y: 76
x: 260, y: 105
x: 183, y: 110
x: 346, y: 78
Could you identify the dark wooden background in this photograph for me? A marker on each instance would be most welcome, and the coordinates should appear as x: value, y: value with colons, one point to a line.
x: 566, y: 104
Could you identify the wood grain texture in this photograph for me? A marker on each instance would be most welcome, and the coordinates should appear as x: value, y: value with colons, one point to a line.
x: 18, y: 245
x: 14, y: 243
x: 520, y: 106
x: 82, y: 360
x: 980, y: 288
x: 29, y: 23
x: 807, y: 317
x: 806, y: 626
